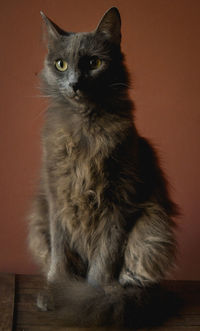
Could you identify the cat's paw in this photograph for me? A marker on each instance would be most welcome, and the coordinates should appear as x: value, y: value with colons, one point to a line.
x: 128, y: 278
x: 45, y: 301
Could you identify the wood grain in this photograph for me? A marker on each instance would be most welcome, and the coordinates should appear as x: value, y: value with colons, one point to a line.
x: 27, y: 318
x: 7, y: 296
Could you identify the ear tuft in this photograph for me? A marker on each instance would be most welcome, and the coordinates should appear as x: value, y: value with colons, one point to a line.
x: 42, y: 14
x: 110, y: 25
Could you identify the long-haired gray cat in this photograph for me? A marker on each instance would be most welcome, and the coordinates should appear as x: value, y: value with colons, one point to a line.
x: 100, y: 226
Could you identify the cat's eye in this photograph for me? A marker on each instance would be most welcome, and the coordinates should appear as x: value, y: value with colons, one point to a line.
x: 94, y: 62
x: 61, y: 65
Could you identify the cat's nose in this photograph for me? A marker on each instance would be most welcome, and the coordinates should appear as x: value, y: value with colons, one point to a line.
x: 74, y: 86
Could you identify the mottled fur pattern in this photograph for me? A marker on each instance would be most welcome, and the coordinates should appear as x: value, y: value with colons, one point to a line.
x: 102, y: 212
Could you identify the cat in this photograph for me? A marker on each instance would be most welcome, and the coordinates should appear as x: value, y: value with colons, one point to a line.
x: 101, y: 225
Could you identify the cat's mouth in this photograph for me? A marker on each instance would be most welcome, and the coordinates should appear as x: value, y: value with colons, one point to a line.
x: 77, y: 96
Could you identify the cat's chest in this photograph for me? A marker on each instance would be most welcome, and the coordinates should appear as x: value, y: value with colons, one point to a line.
x: 74, y: 170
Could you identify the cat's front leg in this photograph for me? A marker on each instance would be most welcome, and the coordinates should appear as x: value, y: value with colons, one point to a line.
x: 58, y: 240
x: 39, y: 237
x: 107, y: 257
x: 99, y: 273
x: 58, y: 264
x: 150, y: 250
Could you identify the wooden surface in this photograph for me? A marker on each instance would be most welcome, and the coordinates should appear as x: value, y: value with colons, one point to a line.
x: 7, y: 293
x: 18, y: 310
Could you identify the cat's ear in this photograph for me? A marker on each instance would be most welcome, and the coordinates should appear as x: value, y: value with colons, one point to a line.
x: 52, y: 31
x: 110, y: 25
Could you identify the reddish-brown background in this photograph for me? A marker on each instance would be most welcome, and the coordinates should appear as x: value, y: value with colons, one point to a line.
x: 161, y: 41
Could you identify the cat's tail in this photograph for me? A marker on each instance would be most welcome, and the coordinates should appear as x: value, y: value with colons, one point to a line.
x: 79, y: 304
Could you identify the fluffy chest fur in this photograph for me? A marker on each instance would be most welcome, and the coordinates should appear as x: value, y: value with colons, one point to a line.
x: 77, y: 175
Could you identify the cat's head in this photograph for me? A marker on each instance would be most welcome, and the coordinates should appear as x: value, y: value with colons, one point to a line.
x: 85, y: 66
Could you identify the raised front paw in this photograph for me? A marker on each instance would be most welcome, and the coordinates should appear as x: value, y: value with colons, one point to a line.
x: 45, y: 301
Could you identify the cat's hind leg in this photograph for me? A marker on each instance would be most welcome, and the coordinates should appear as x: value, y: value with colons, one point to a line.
x: 150, y: 250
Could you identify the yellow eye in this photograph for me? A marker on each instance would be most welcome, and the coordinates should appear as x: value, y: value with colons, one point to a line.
x: 95, y: 62
x: 61, y: 65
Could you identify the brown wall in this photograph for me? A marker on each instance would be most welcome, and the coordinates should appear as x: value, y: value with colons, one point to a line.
x: 161, y: 40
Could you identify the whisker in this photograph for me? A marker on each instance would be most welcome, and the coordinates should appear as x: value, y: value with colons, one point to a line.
x: 38, y: 96
x: 38, y: 87
x: 120, y: 84
x: 42, y: 112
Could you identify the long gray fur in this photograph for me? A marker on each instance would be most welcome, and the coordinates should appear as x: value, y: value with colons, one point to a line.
x: 100, y: 225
